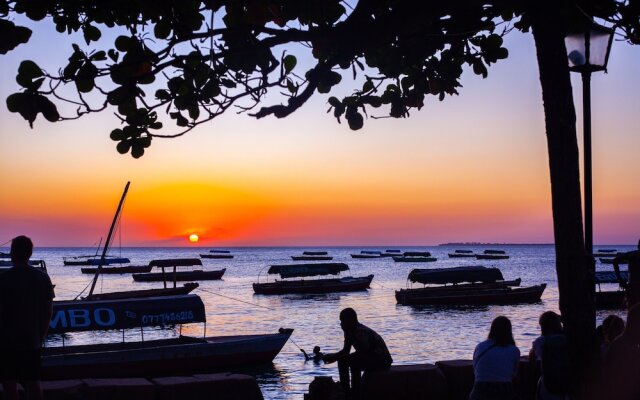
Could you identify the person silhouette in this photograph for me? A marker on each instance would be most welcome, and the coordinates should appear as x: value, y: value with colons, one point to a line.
x: 316, y: 356
x: 633, y: 284
x: 26, y: 299
x: 371, y: 353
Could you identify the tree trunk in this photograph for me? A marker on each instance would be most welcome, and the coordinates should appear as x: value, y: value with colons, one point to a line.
x: 573, y: 267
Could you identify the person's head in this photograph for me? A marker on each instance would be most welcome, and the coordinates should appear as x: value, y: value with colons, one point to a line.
x: 316, y: 350
x: 612, y: 327
x: 21, y: 250
x: 501, y: 331
x: 348, y: 319
x: 550, y: 323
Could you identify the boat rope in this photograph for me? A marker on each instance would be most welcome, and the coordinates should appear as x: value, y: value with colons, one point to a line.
x: 233, y: 298
x: 296, y: 344
x: 7, y: 242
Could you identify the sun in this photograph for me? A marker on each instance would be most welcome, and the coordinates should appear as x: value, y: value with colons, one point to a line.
x: 193, y: 238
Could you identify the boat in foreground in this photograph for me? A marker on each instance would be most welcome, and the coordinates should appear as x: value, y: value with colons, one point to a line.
x: 485, y: 286
x: 312, y: 286
x: 174, y: 356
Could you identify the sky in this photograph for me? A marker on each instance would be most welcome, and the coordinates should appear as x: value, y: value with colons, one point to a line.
x: 473, y: 168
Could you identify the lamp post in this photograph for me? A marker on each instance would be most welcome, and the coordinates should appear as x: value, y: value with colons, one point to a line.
x: 588, y: 52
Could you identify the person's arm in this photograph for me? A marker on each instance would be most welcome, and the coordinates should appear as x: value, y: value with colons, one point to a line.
x: 333, y: 357
x: 616, y: 269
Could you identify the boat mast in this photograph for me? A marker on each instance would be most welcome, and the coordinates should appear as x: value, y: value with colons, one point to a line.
x: 108, y: 241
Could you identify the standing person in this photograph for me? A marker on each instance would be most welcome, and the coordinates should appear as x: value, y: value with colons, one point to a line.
x: 371, y: 353
x: 26, y: 296
x: 495, y: 363
x: 550, y: 352
x: 633, y: 284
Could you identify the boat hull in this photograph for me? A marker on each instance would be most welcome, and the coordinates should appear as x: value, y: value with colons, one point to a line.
x: 610, y: 300
x: 181, y: 276
x: 178, y: 356
x: 136, y: 294
x: 491, y: 256
x: 95, y: 261
x: 461, y: 255
x: 217, y: 256
x: 311, y: 258
x: 314, y: 286
x: 505, y: 295
x: 368, y: 256
x: 414, y: 259
x: 130, y: 269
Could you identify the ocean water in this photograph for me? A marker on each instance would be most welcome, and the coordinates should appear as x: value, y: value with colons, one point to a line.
x: 413, y: 334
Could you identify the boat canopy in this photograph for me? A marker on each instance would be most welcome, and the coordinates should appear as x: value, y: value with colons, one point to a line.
x: 314, y: 253
x: 417, y: 254
x: 220, y: 251
x: 175, y: 262
x: 302, y: 270
x: 455, y: 275
x: 370, y: 252
x: 610, y: 276
x: 78, y: 316
x: 464, y: 251
x: 494, y: 252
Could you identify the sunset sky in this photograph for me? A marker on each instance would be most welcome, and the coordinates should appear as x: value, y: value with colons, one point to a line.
x: 471, y: 168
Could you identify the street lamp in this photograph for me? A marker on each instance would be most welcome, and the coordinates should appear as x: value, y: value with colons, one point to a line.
x: 588, y: 51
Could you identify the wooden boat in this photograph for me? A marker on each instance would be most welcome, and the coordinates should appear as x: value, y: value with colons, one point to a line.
x: 492, y: 255
x: 127, y: 269
x: 415, y: 256
x: 392, y: 253
x: 94, y: 260
x: 368, y: 254
x: 486, y: 286
x: 314, y: 253
x: 178, y: 276
x: 137, y: 294
x: 610, y: 299
x: 462, y: 254
x: 175, y: 356
x: 330, y: 285
x: 216, y: 255
x: 311, y: 258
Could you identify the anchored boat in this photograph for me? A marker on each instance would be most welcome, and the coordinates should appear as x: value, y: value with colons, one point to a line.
x: 217, y: 254
x: 323, y: 285
x: 174, y: 356
x: 178, y: 276
x: 462, y: 254
x: 415, y: 256
x: 475, y: 285
x: 313, y: 256
x: 492, y: 255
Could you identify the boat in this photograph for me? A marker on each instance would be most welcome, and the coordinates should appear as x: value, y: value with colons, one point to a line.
x: 175, y: 275
x: 461, y: 254
x: 392, y: 253
x: 609, y: 299
x: 217, y: 254
x: 126, y: 269
x: 181, y: 355
x: 415, y: 256
x: 492, y: 255
x: 40, y: 264
x: 322, y: 285
x: 313, y: 256
x: 484, y: 286
x: 94, y: 260
x: 368, y: 254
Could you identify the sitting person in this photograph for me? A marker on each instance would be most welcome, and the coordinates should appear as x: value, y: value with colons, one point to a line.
x: 316, y: 356
x: 495, y: 363
x: 621, y: 367
x: 549, y: 351
x: 612, y: 327
x: 371, y: 353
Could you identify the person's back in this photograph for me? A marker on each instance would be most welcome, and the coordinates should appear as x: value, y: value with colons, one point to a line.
x: 24, y: 293
x: 26, y: 297
x: 365, y: 339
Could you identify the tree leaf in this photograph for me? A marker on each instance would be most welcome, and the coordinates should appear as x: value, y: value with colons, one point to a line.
x: 289, y: 63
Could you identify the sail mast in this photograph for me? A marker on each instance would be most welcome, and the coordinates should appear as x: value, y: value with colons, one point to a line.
x: 106, y: 244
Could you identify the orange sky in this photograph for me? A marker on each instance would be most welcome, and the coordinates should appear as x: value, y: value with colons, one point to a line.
x: 472, y: 168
